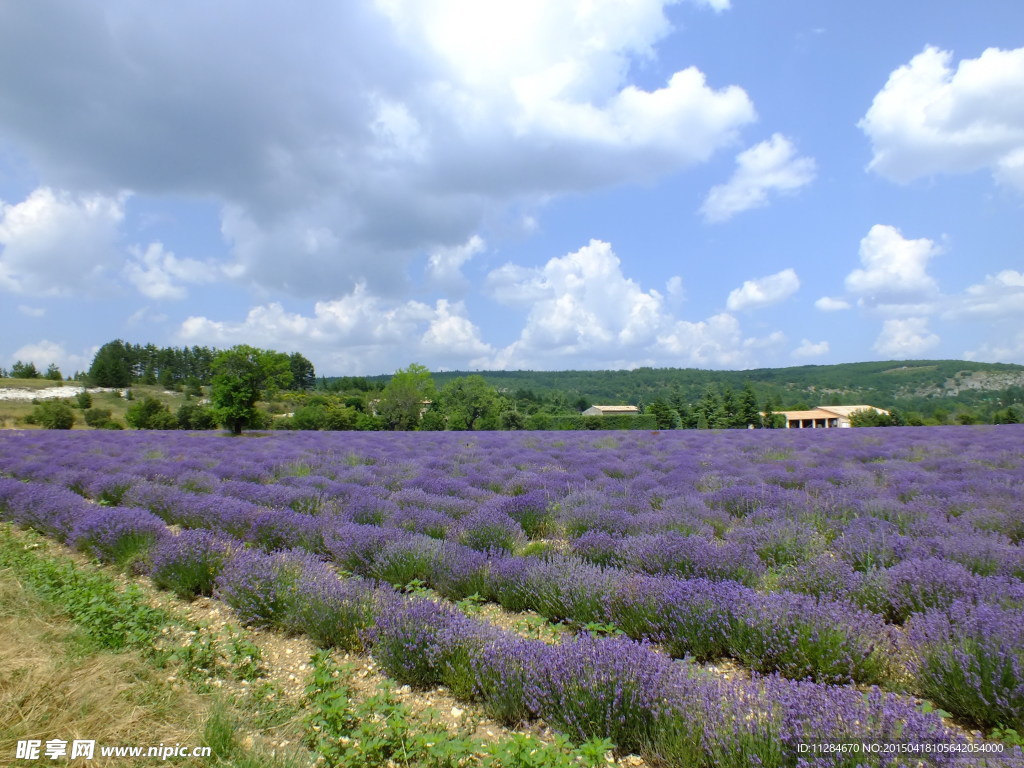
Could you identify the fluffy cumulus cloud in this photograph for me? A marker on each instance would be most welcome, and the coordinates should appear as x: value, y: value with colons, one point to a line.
x: 394, y: 131
x: 903, y: 338
x: 764, y: 291
x: 57, y: 243
x: 894, y: 269
x: 582, y: 309
x: 159, y: 274
x: 444, y: 266
x: 771, y: 166
x: 45, y: 352
x: 810, y: 348
x: 930, y: 118
x: 359, y: 332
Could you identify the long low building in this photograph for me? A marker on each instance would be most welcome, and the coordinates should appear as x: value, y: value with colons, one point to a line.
x: 825, y: 416
x: 611, y: 410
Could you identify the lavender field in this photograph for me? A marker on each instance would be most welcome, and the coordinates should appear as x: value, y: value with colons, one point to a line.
x: 862, y: 581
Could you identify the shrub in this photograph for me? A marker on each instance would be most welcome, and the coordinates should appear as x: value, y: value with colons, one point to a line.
x: 503, y: 672
x: 421, y: 643
x: 868, y: 542
x: 188, y: 564
x: 337, y: 613
x: 490, y: 530
x: 692, y: 617
x: 117, y: 535
x: 100, y: 418
x: 916, y: 585
x: 970, y: 661
x: 355, y: 547
x: 53, y: 414
x: 802, y: 637
x: 195, y: 416
x: 262, y: 588
x: 283, y: 529
x: 150, y: 413
x: 603, y: 687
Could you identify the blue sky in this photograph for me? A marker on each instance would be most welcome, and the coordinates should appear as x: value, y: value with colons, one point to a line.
x: 529, y: 184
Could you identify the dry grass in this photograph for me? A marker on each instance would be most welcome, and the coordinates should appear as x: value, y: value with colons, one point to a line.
x: 49, y: 690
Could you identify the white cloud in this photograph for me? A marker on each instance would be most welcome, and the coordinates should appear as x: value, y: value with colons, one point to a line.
x: 905, y: 338
x: 764, y: 291
x: 31, y: 311
x: 831, y: 304
x: 397, y: 129
x: 157, y: 273
x: 57, y: 243
x: 44, y: 352
x: 675, y: 288
x: 444, y: 266
x: 930, y: 119
x: 894, y: 268
x: 1009, y: 349
x: 1001, y: 295
x: 810, y: 348
x: 358, y: 333
x: 584, y: 311
x: 770, y: 166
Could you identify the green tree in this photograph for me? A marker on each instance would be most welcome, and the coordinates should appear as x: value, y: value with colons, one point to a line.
x: 53, y: 414
x: 84, y: 400
x: 150, y: 413
x: 512, y: 420
x: 303, y: 373
x: 405, y: 397
x: 469, y: 403
x: 747, y: 410
x: 53, y: 373
x: 111, y: 366
x: 242, y: 376
x: 665, y: 416
x: 22, y: 370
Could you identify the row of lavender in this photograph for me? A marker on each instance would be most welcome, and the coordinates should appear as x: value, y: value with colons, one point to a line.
x: 610, y: 688
x: 369, y: 484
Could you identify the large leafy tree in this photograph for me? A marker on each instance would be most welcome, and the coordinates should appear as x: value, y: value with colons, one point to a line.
x: 242, y: 376
x: 469, y: 402
x: 406, y: 396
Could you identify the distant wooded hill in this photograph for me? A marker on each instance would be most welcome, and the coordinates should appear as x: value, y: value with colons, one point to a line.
x: 914, y: 385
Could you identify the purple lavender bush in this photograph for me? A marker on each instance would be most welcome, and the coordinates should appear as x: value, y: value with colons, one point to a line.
x: 277, y: 529
x: 868, y: 542
x: 335, y: 612
x: 188, y: 564
x: 802, y: 637
x: 263, y: 588
x: 490, y: 530
x: 601, y: 687
x: 355, y: 547
x: 118, y: 535
x: 970, y: 661
x: 422, y: 643
x: 692, y: 617
x: 503, y: 671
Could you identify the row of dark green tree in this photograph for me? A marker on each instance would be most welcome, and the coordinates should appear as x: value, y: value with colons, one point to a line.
x: 22, y: 370
x: 121, y: 364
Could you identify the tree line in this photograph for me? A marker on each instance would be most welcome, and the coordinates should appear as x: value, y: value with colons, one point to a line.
x: 223, y: 387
